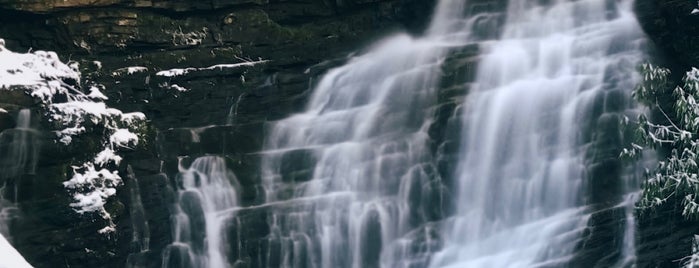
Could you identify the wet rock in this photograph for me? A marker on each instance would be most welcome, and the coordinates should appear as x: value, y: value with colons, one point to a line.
x: 673, y: 29
x: 7, y: 121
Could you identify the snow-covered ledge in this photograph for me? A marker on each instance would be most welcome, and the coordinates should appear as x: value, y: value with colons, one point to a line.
x: 73, y: 112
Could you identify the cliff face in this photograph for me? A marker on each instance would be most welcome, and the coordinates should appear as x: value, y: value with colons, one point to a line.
x: 673, y: 29
x: 219, y: 110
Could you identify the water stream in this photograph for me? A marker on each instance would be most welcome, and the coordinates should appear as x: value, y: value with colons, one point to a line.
x: 360, y: 151
x: 359, y: 148
x: 523, y: 156
x: 206, y: 191
x: 19, y: 152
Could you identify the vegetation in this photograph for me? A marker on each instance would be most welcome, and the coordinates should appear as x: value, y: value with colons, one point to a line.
x: 676, y: 174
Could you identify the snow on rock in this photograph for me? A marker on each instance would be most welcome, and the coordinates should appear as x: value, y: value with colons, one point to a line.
x: 102, y: 184
x: 179, y: 88
x: 133, y: 118
x: 123, y: 138
x: 129, y: 70
x: 175, y: 72
x: 179, y: 72
x: 107, y: 229
x: 65, y: 135
x: 10, y: 257
x: 42, y: 75
x: 96, y: 94
x: 107, y: 156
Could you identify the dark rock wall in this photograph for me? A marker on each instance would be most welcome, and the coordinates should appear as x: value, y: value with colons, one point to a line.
x: 673, y: 29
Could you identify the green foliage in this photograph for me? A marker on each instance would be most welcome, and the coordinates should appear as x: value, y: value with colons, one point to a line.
x: 676, y: 174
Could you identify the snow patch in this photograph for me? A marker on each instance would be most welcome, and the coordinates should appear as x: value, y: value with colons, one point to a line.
x: 179, y: 72
x: 10, y: 257
x: 96, y: 94
x: 123, y: 138
x: 129, y: 70
x: 107, y: 229
x: 133, y: 118
x: 107, y: 156
x: 179, y: 88
x: 101, y: 183
x: 39, y: 71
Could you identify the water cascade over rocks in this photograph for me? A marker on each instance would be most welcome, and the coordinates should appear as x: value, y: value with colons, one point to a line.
x: 353, y: 162
x: 353, y: 173
x: 523, y: 154
x: 19, y: 152
x: 206, y: 195
x: 362, y: 177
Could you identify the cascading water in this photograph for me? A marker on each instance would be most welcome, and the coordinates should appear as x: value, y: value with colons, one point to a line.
x: 522, y: 163
x: 206, y: 197
x: 18, y: 156
x: 343, y: 173
x: 139, y: 223
x: 352, y: 177
x: 19, y: 148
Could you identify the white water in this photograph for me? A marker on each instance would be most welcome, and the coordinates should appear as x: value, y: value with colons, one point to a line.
x: 357, y: 160
x: 18, y: 157
x: 206, y: 193
x: 19, y: 148
x: 366, y: 194
x: 522, y: 162
x: 364, y: 134
x: 521, y: 171
x: 140, y: 231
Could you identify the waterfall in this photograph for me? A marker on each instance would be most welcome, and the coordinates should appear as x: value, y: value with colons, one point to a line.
x: 352, y: 177
x: 19, y: 148
x: 18, y: 157
x: 342, y: 176
x: 207, y: 193
x: 139, y: 224
x: 19, y: 152
x: 523, y: 155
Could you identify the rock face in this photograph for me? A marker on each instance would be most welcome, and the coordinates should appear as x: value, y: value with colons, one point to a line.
x: 674, y: 30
